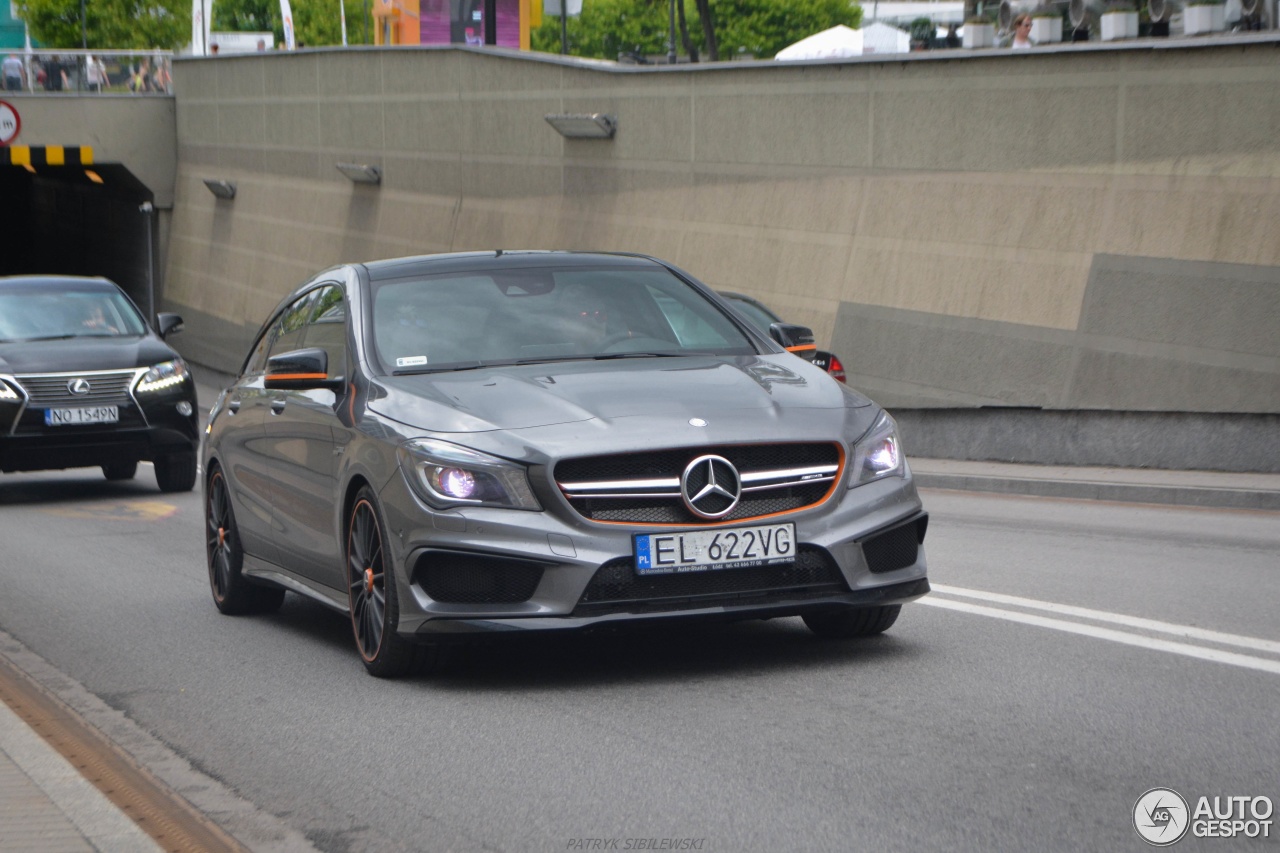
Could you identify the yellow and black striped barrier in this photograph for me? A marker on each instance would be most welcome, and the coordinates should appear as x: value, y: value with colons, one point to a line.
x: 36, y: 156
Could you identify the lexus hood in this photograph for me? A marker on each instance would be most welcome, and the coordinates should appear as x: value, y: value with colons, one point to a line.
x: 86, y: 354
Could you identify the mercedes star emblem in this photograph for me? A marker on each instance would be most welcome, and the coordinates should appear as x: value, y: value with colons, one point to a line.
x: 710, y: 487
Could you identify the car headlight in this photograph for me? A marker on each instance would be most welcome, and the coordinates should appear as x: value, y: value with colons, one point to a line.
x: 446, y: 475
x: 165, y: 375
x: 7, y: 393
x: 878, y: 453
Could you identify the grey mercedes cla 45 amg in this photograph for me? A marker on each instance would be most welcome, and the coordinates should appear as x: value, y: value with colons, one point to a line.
x: 458, y: 445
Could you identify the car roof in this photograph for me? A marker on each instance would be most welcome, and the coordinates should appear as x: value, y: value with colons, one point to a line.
x: 499, y: 259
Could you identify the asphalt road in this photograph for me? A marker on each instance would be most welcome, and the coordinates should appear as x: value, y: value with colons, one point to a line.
x: 1024, y: 706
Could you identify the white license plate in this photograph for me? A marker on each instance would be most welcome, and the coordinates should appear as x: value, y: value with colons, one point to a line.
x: 723, y: 548
x: 95, y: 415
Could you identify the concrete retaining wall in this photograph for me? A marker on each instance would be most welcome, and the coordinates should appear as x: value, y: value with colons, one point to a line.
x: 1080, y: 228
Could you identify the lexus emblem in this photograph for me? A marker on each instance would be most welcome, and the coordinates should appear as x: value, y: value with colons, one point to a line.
x: 79, y: 387
x: 710, y: 487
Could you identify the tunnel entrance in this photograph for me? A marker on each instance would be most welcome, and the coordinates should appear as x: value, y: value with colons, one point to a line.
x: 75, y: 219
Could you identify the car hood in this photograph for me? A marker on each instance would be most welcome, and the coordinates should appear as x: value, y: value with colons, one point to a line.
x: 529, y: 396
x: 82, y: 354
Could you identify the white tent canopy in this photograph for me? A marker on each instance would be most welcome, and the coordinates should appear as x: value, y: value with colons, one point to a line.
x: 839, y: 41
x: 882, y: 38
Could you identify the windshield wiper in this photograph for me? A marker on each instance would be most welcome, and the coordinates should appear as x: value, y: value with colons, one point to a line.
x: 45, y: 338
x: 612, y: 355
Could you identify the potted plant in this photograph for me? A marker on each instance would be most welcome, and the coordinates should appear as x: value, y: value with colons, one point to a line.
x: 1119, y: 21
x: 922, y: 33
x: 1203, y: 16
x: 979, y: 32
x: 1046, y: 25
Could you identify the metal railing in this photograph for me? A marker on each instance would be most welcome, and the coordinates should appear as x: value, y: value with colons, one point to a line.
x: 88, y: 72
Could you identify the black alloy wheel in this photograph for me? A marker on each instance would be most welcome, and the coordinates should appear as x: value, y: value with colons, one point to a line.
x: 233, y: 593
x: 375, y: 608
x: 853, y: 622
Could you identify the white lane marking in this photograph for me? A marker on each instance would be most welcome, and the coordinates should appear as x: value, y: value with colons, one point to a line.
x: 1187, y: 631
x: 1185, y: 649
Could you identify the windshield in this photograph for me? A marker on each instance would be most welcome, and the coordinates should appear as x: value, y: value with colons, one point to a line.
x: 530, y: 315
x: 59, y: 313
x: 757, y: 316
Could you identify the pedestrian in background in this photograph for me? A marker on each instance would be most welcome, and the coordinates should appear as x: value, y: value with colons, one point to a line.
x: 1022, y: 32
x: 96, y: 74
x: 15, y: 75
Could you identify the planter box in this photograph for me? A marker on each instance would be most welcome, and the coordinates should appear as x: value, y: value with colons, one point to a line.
x: 1204, y: 19
x: 1046, y: 30
x: 1119, y: 25
x: 979, y: 35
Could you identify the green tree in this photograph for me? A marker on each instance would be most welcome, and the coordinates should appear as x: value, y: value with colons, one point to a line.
x: 316, y: 23
x: 758, y: 28
x: 109, y: 24
x: 247, y: 16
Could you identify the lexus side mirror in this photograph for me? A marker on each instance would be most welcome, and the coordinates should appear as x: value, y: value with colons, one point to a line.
x: 168, y: 324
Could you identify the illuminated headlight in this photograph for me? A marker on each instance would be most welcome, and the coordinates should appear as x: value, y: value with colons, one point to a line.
x: 7, y: 393
x: 446, y: 475
x: 878, y: 453
x: 168, y: 374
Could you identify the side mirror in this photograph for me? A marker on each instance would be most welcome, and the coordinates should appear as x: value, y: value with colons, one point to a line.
x: 301, y: 370
x: 797, y: 339
x: 168, y: 324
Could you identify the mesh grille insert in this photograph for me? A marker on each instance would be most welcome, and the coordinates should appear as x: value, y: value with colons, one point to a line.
x: 616, y: 586
x: 894, y: 549
x: 457, y: 578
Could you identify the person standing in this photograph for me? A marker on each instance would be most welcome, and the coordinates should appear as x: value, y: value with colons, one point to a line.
x: 15, y: 75
x: 95, y: 74
x: 1022, y: 32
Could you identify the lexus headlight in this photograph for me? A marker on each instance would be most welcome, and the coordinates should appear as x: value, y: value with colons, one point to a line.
x: 162, y: 376
x: 7, y: 393
x: 446, y: 475
x: 878, y: 453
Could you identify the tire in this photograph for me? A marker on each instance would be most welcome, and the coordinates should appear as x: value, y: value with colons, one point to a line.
x: 233, y: 594
x: 116, y: 471
x: 373, y: 600
x: 853, y: 622
x: 176, y: 472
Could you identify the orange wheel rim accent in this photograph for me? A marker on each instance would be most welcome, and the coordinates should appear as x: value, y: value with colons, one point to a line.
x: 222, y: 537
x: 368, y: 580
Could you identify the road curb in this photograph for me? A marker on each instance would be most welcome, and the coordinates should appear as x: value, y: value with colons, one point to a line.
x: 1197, y: 496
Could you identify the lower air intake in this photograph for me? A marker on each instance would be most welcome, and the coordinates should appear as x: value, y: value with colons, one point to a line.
x: 458, y: 578
x: 617, y: 587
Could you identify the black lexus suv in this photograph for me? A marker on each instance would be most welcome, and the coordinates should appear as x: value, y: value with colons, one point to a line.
x: 86, y: 382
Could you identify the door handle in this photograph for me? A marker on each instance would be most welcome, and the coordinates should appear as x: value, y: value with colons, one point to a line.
x: 277, y: 406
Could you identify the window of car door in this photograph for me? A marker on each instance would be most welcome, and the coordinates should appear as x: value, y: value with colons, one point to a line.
x: 280, y: 336
x: 327, y: 328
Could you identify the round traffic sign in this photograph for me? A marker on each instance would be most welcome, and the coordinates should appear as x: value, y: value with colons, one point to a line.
x: 10, y: 123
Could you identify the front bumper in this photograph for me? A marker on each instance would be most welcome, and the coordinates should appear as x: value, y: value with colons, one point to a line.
x: 865, y: 547
x: 145, y: 432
